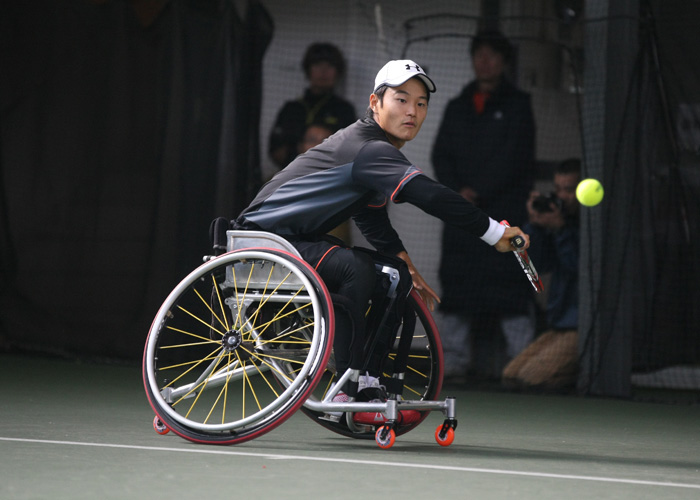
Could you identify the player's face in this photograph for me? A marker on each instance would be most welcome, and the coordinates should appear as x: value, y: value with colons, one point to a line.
x: 565, y: 190
x: 402, y: 111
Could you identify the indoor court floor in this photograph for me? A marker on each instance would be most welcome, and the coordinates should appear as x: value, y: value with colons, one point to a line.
x: 73, y: 430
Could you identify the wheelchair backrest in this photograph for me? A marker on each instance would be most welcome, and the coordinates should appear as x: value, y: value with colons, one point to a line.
x: 250, y: 273
x: 237, y: 240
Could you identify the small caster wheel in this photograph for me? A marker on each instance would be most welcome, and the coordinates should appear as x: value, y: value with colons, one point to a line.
x: 159, y: 426
x: 385, y: 437
x: 444, y: 437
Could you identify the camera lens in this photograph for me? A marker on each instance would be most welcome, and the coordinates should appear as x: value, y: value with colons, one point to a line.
x: 543, y: 203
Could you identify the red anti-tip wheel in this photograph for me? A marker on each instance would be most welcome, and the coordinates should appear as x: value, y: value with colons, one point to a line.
x: 447, y: 438
x: 385, y: 438
x: 159, y: 426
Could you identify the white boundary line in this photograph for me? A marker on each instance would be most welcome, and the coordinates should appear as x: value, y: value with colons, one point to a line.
x: 276, y: 456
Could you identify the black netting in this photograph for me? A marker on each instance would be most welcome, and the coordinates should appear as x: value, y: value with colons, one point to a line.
x: 120, y: 138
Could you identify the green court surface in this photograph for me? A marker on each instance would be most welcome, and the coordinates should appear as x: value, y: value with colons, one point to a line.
x: 83, y: 430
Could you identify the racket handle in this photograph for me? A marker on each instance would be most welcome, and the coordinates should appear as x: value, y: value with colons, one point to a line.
x: 517, y: 241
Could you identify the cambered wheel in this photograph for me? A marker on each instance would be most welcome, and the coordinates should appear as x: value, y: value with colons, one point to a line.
x: 423, y: 376
x: 238, y: 346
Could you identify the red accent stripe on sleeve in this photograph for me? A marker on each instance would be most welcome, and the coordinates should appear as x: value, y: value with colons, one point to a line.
x: 403, y: 181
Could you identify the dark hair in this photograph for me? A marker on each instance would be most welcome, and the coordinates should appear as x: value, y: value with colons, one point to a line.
x: 380, y: 95
x: 324, y: 52
x: 568, y: 166
x: 494, y: 39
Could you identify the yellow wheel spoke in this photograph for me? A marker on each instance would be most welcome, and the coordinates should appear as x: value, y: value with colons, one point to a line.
x: 271, y: 367
x: 237, y: 322
x: 221, y: 303
x: 279, y: 358
x: 252, y: 390
x: 278, y: 315
x: 262, y: 374
x: 216, y: 401
x: 279, y: 338
x: 422, y: 374
x: 200, y: 320
x: 243, y: 394
x: 203, y: 385
x: 412, y: 356
x: 194, y: 363
x: 328, y: 385
x: 264, y: 291
x: 262, y: 327
x: 228, y: 378
x: 206, y: 304
x: 412, y: 390
x: 208, y: 340
x: 186, y: 345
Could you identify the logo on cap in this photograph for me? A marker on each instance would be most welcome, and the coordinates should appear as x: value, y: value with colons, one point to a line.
x: 396, y: 73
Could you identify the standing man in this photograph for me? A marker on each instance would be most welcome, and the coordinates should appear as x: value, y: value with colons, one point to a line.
x: 484, y: 150
x: 354, y: 174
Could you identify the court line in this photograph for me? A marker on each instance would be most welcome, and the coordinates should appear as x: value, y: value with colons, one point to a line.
x: 277, y: 456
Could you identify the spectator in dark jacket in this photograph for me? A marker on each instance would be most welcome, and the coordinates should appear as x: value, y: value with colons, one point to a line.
x: 484, y: 150
x: 324, y: 66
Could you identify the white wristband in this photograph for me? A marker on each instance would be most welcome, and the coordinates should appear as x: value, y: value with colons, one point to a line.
x: 494, y: 233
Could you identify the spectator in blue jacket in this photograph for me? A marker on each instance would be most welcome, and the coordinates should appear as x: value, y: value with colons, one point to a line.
x: 551, y: 361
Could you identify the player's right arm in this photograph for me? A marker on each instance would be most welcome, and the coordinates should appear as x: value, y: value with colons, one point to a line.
x: 443, y: 203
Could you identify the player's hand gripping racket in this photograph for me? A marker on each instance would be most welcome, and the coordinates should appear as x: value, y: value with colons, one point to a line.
x: 528, y: 267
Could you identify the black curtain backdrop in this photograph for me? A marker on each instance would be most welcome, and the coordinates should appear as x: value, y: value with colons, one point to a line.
x: 642, y: 314
x: 126, y: 127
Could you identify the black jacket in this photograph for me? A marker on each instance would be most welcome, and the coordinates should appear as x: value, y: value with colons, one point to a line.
x: 354, y: 173
x: 493, y: 153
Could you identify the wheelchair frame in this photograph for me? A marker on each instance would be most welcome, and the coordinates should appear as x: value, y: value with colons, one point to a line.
x: 267, y: 327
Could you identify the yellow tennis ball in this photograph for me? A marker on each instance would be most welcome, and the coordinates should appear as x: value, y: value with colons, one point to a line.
x: 589, y: 192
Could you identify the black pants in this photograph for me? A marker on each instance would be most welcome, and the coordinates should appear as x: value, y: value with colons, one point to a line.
x: 350, y: 277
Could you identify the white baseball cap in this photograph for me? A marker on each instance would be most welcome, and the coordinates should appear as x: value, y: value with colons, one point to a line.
x: 395, y: 73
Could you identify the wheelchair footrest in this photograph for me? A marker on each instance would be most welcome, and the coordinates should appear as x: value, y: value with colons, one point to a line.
x: 406, y: 417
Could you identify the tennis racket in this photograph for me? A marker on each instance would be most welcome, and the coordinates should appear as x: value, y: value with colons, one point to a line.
x: 528, y: 267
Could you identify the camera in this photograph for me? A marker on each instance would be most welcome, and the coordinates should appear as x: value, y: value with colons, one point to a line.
x: 543, y: 203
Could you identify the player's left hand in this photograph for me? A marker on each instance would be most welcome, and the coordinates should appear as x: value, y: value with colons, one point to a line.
x: 424, y: 290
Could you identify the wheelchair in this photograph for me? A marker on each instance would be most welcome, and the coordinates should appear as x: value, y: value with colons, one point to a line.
x: 245, y: 340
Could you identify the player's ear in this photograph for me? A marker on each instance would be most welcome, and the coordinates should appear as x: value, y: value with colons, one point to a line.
x: 374, y: 102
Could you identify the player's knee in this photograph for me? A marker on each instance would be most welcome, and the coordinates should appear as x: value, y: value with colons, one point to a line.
x: 363, y: 269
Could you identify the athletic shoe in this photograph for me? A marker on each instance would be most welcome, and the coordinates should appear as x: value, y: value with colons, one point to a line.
x: 334, y: 416
x: 370, y: 389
